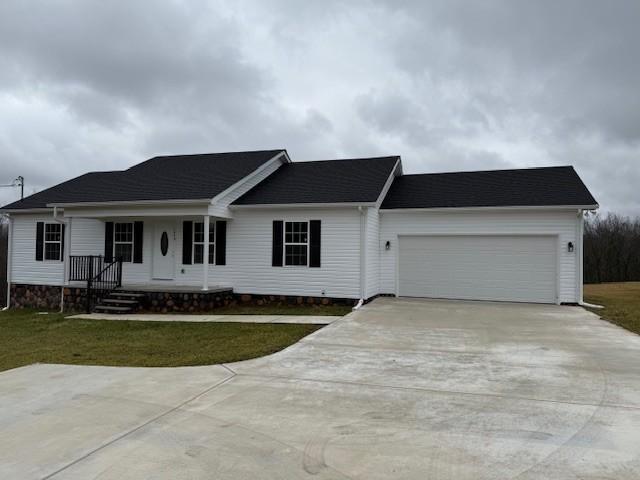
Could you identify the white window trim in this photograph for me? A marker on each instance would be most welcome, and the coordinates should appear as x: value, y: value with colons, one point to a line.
x: 45, y: 241
x: 132, y: 242
x: 285, y: 243
x: 212, y: 245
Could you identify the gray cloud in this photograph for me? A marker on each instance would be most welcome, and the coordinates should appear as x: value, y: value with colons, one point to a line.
x: 93, y: 85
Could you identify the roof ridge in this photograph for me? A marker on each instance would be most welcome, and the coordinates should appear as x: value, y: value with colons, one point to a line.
x: 231, y: 152
x: 347, y: 159
x: 497, y: 170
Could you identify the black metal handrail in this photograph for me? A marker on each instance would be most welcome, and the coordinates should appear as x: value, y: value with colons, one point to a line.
x: 102, y: 276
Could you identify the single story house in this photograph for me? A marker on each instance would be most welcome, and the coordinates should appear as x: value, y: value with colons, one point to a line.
x: 257, y: 224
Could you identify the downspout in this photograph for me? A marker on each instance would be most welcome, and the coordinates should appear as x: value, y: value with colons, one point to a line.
x: 362, y: 257
x: 9, y: 254
x: 580, y: 259
x: 67, y: 247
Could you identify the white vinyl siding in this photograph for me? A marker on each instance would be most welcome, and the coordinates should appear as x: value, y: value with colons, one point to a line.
x: 562, y: 224
x: 24, y: 267
x: 248, y: 266
x: 515, y: 268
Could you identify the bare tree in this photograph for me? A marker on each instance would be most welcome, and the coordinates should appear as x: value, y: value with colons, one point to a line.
x: 611, y: 249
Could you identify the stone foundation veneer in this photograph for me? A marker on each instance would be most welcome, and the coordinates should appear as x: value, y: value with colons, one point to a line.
x: 48, y: 297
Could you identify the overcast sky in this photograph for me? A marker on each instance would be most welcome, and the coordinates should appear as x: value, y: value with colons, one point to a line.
x: 102, y: 85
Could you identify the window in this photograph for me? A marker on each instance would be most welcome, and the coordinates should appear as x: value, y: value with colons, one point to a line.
x: 198, y: 242
x: 52, y: 241
x: 123, y: 241
x: 296, y: 243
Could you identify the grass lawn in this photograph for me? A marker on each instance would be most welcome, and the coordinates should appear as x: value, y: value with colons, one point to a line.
x: 27, y: 337
x: 621, y: 302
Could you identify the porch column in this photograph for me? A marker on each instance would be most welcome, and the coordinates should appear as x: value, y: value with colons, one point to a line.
x: 205, y: 260
x: 67, y: 250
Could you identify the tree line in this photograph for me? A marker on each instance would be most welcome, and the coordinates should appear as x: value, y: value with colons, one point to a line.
x: 611, y: 249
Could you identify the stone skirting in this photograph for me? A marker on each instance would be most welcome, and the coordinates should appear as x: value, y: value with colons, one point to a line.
x: 199, y: 302
x: 35, y: 296
x: 48, y: 297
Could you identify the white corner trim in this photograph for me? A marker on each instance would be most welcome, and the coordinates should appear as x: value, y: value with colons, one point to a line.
x: 9, y: 258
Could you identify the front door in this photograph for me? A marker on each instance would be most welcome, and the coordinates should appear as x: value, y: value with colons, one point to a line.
x: 164, y: 251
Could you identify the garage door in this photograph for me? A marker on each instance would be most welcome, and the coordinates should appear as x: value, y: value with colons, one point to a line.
x: 470, y: 267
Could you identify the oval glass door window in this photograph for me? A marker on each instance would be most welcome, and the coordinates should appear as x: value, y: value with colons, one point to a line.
x: 164, y: 244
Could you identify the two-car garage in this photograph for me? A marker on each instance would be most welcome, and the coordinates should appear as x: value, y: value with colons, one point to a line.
x: 516, y: 268
x: 503, y: 235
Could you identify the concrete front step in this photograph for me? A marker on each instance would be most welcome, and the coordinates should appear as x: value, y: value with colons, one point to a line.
x: 120, y: 302
x: 111, y: 309
x: 127, y: 295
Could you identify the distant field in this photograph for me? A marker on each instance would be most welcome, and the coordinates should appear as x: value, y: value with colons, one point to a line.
x: 621, y: 302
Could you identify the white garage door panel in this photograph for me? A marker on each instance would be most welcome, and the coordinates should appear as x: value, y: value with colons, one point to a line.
x: 503, y: 268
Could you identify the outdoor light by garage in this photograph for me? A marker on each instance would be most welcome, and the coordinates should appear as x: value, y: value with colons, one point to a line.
x: 387, y: 245
x: 570, y: 247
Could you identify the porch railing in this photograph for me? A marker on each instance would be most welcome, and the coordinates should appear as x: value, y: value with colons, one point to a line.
x: 102, y: 276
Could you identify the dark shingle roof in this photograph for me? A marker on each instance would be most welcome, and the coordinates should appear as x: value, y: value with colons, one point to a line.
x: 174, y: 177
x: 326, y: 181
x: 547, y: 186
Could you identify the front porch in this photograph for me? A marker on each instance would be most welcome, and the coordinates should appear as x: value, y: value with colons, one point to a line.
x: 184, y: 253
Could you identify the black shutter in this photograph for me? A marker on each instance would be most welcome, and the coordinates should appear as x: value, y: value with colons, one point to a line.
x: 62, y: 243
x: 187, y: 242
x: 137, y: 241
x: 276, y: 251
x: 221, y: 242
x: 314, y: 243
x: 39, y: 241
x: 108, y: 241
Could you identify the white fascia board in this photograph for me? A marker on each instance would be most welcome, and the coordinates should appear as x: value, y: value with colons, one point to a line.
x: 476, y: 209
x: 303, y: 205
x: 138, y: 211
x: 280, y: 157
x: 396, y: 171
x: 17, y: 211
x: 131, y: 203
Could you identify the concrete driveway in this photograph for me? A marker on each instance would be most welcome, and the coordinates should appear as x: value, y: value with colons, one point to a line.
x: 406, y: 389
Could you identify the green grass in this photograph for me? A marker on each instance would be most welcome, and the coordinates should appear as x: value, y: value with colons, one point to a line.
x: 621, y: 302
x: 27, y: 337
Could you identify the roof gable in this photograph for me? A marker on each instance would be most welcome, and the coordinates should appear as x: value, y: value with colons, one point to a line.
x: 173, y: 177
x: 546, y: 186
x: 359, y: 180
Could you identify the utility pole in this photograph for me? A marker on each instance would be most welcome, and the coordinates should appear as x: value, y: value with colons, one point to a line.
x: 18, y: 182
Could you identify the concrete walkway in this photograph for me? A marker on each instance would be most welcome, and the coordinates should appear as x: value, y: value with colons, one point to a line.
x: 400, y: 389
x: 167, y: 317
